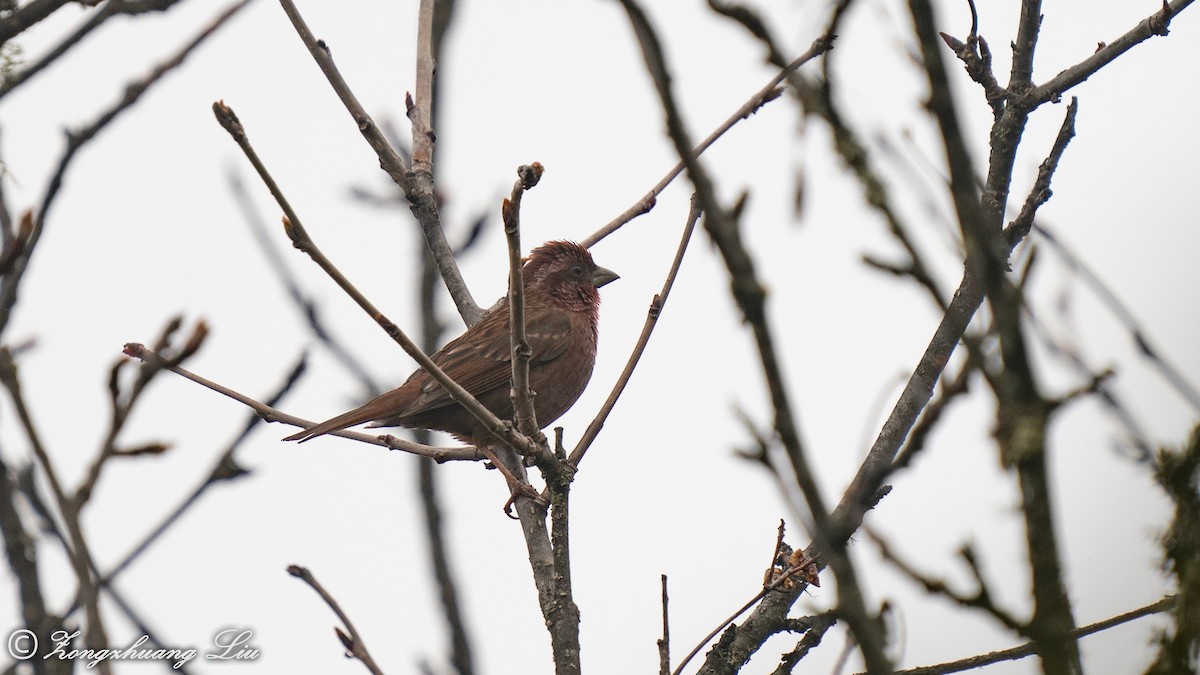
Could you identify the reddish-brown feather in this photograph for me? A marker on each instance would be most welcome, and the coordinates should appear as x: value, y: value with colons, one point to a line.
x: 562, y: 309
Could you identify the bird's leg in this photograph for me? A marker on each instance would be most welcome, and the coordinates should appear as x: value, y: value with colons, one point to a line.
x: 517, y: 487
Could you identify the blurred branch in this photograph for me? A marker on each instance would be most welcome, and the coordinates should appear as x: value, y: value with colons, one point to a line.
x: 1178, y: 474
x: 1107, y: 394
x: 980, y: 599
x: 6, y: 222
x: 1030, y: 648
x: 815, y: 628
x: 95, y: 20
x: 225, y: 468
x: 77, y: 139
x: 20, y: 551
x: 350, y: 639
x: 1141, y: 337
x: 81, y: 561
x: 750, y: 296
x: 301, y: 300
x: 817, y: 99
x: 417, y: 181
x: 1022, y: 413
x: 27, y: 15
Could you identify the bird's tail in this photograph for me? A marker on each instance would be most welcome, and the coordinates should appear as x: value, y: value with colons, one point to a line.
x: 359, y: 415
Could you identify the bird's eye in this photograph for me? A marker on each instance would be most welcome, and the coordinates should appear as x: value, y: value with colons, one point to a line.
x: 577, y: 271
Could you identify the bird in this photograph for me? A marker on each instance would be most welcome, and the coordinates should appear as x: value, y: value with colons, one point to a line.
x: 562, y: 311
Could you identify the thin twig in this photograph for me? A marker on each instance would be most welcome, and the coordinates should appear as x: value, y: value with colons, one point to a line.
x: 224, y: 468
x: 270, y: 414
x: 981, y: 599
x: 1030, y: 648
x: 664, y: 643
x: 656, y: 306
x: 351, y: 640
x: 763, y: 96
x: 785, y: 579
x: 1155, y: 24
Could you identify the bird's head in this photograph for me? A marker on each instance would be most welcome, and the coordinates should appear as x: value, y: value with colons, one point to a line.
x: 566, y: 272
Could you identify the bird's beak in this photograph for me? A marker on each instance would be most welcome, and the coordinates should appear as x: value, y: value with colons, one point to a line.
x: 603, y: 276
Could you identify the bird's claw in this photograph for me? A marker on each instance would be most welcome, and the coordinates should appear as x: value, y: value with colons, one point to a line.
x: 521, y: 490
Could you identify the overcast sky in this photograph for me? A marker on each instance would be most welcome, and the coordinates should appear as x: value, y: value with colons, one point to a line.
x: 146, y: 228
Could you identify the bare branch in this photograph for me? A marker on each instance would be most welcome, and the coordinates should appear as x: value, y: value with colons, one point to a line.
x: 981, y: 599
x: 763, y: 96
x: 1030, y: 648
x: 664, y: 643
x: 656, y: 307
x: 750, y: 295
x: 270, y: 414
x: 1155, y: 24
x: 416, y: 182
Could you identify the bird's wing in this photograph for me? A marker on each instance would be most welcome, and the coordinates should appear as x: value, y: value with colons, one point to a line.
x: 481, y: 360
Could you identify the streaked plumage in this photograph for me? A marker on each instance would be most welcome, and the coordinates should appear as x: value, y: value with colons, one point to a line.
x: 562, y: 309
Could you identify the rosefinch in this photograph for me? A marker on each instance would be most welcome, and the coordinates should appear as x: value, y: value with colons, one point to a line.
x: 562, y: 309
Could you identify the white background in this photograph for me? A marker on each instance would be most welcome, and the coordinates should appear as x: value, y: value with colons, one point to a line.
x: 146, y: 228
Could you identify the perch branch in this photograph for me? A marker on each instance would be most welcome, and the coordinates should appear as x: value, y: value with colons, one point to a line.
x: 270, y: 414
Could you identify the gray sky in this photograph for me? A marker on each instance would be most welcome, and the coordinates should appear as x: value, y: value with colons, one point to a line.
x: 146, y: 228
